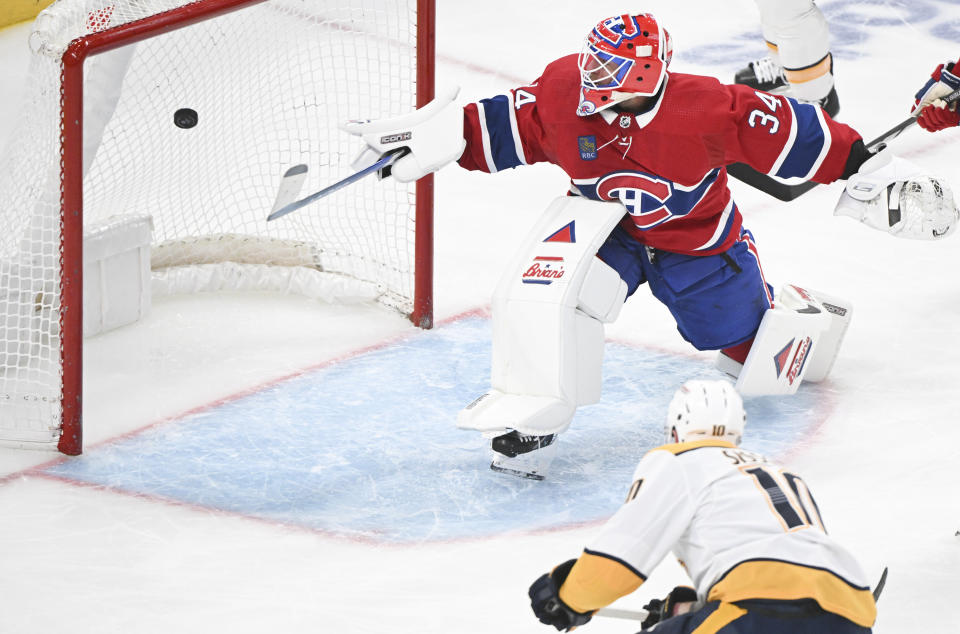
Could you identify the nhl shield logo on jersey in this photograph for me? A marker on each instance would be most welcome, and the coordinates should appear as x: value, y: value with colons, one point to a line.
x: 588, y: 147
x: 544, y: 270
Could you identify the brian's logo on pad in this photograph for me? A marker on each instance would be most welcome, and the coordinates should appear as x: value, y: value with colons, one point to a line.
x: 588, y: 147
x: 544, y: 270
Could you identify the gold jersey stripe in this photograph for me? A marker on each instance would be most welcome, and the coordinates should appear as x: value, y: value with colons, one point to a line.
x: 809, y: 73
x: 678, y: 448
x: 723, y: 616
x: 596, y: 581
x: 789, y: 582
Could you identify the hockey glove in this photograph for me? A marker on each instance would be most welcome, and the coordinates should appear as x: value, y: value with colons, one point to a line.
x: 680, y: 601
x: 547, y: 606
x: 433, y: 135
x: 895, y: 196
x: 942, y: 82
x: 939, y: 115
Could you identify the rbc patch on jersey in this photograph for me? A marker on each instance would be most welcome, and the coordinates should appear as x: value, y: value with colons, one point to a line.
x: 588, y: 147
x: 543, y: 270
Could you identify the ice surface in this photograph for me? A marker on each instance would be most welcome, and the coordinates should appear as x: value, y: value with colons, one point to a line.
x: 879, y: 447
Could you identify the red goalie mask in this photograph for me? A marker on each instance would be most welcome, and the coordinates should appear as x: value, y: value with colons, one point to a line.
x: 623, y: 57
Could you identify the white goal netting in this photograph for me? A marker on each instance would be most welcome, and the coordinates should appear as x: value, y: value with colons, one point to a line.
x: 269, y: 84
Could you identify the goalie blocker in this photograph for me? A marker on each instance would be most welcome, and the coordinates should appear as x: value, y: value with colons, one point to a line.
x: 798, y: 340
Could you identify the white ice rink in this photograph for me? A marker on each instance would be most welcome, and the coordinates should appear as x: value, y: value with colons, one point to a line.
x: 881, y: 450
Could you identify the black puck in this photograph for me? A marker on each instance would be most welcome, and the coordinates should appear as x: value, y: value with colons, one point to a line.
x: 185, y: 118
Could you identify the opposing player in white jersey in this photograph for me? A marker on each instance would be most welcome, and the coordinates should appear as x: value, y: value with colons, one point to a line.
x: 800, y: 62
x: 747, y: 532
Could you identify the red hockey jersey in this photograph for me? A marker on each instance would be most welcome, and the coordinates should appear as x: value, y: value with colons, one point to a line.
x: 666, y: 165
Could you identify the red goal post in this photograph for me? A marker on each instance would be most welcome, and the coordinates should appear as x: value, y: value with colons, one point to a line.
x: 402, y: 280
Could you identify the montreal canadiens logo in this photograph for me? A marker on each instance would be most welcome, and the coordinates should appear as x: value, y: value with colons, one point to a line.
x: 543, y: 270
x: 644, y: 196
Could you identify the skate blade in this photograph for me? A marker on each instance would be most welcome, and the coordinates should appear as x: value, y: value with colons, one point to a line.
x: 516, y: 472
x: 532, y: 466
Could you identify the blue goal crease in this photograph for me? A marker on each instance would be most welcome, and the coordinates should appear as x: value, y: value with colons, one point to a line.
x: 368, y: 448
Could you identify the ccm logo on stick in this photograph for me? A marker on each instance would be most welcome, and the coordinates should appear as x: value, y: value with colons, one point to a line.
x: 393, y: 138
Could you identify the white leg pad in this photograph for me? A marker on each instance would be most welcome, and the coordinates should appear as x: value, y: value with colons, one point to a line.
x: 495, y: 412
x: 603, y: 292
x: 547, y: 335
x: 824, y: 355
x: 785, y: 344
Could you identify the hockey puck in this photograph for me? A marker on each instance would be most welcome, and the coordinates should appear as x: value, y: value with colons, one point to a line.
x: 185, y: 118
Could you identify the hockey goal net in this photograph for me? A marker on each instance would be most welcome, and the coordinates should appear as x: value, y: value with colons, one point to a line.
x: 190, y: 112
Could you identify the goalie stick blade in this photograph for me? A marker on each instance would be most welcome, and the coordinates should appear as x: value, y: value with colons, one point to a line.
x: 768, y: 185
x: 290, y: 186
x: 385, y: 161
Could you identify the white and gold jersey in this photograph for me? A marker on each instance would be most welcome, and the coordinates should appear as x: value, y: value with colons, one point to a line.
x: 742, y: 527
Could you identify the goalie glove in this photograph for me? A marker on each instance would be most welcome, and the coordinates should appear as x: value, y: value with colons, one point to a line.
x: 546, y: 603
x: 893, y: 195
x: 431, y: 136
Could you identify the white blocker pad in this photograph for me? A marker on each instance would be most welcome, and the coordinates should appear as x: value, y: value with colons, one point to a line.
x: 547, y: 335
x: 797, y: 340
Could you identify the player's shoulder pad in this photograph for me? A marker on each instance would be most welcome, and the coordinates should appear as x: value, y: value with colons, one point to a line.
x: 688, y: 85
x: 678, y: 448
x: 564, y: 67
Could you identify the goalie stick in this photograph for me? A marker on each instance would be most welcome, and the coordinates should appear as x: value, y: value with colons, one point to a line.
x: 783, y: 191
x: 640, y: 615
x: 293, y: 180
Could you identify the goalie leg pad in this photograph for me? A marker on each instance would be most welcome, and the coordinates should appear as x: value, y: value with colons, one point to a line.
x: 797, y: 339
x: 547, y: 349
x: 603, y: 292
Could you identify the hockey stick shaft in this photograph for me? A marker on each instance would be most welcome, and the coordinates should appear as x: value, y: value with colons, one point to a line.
x: 385, y: 161
x: 615, y: 613
x: 895, y: 131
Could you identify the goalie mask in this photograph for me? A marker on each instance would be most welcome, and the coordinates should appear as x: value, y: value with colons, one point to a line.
x: 705, y: 409
x: 623, y: 57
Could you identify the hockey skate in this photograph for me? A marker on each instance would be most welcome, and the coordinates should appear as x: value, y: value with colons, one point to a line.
x: 767, y: 75
x: 830, y: 103
x: 763, y: 74
x: 522, y: 455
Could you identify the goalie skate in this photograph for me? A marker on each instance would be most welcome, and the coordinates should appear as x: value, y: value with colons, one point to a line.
x: 522, y: 455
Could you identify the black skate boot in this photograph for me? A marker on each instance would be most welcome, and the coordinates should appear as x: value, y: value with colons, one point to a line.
x: 763, y: 74
x: 523, y: 455
x: 830, y: 103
